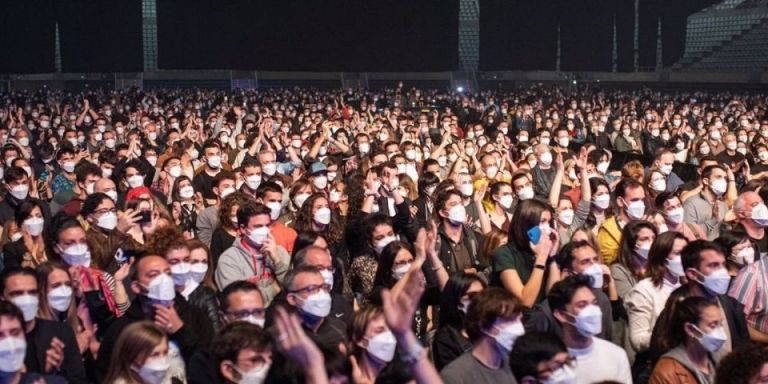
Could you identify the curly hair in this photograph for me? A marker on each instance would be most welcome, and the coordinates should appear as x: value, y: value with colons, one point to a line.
x: 333, y: 232
x: 164, y: 240
x: 742, y: 365
x: 225, y: 209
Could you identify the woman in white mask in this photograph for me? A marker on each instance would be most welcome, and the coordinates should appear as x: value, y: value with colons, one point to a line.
x: 316, y: 216
x: 502, y: 197
x: 647, y: 299
x: 655, y: 182
x: 695, y: 336
x: 739, y: 250
x: 108, y: 231
x: 27, y: 248
x: 600, y: 207
x: 373, y: 344
x: 632, y: 263
x: 378, y: 231
x: 186, y: 206
x: 187, y: 280
x: 142, y: 355
x: 104, y: 293
x: 570, y: 218
x: 59, y: 300
x: 299, y: 193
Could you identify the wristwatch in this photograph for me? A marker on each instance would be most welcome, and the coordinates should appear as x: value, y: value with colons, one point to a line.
x: 540, y: 266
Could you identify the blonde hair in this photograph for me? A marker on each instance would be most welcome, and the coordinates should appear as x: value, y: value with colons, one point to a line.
x: 135, y: 343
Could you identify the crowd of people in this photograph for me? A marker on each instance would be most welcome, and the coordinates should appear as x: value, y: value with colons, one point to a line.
x: 540, y: 235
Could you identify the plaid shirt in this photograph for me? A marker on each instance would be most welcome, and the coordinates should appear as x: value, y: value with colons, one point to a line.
x: 750, y: 288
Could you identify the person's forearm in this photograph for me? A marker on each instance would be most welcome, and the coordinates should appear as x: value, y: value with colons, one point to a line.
x: 423, y: 370
x: 554, y: 192
x: 485, y: 223
x: 757, y: 336
x: 440, y: 272
x: 531, y: 289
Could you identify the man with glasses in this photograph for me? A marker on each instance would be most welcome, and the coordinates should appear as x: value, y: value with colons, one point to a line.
x: 309, y: 294
x: 320, y: 259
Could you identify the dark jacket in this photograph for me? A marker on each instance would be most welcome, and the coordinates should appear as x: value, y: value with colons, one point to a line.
x: 196, y: 333
x: 38, y: 342
x: 473, y: 241
x: 541, y: 319
x: 13, y: 253
x: 204, y: 299
x: 447, y: 345
x: 9, y: 205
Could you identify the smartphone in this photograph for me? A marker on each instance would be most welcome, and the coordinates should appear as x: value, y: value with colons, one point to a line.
x: 534, y: 235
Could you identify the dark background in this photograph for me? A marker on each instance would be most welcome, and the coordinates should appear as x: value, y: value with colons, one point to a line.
x: 336, y: 35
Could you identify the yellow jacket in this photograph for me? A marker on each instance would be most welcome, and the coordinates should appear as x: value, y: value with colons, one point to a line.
x: 609, y: 239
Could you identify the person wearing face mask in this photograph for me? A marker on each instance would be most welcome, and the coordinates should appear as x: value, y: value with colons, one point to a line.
x: 186, y: 326
x: 378, y: 232
x: 542, y: 358
x: 170, y: 243
x: 632, y: 263
x: 458, y: 244
x: 389, y: 200
x: 664, y: 161
x: 668, y: 203
x: 241, y: 353
x: 630, y: 204
x: 252, y: 175
x: 145, y: 356
x: 580, y: 258
x: 16, y: 184
x: 55, y: 348
x: 647, y: 299
x: 63, y: 181
x: 29, y: 250
x: 574, y: 306
x: 13, y: 347
x: 208, y: 218
x: 708, y: 208
x: 451, y: 339
x: 108, y: 231
x: 86, y: 176
x: 544, y: 172
x: 224, y: 236
x: 58, y: 302
x: 752, y: 215
x: 254, y: 256
x: 309, y: 294
x: 739, y: 248
x: 749, y: 285
x: 493, y: 323
x: 271, y: 195
x: 204, y: 181
x: 600, y: 207
x: 425, y: 203
x: 694, y: 338
x: 568, y: 219
x: 502, y: 197
x: 318, y: 176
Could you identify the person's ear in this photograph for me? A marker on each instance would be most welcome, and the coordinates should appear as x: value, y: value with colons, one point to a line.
x: 559, y: 316
x: 691, y: 330
x: 227, y: 370
x: 291, y: 299
x: 135, y: 287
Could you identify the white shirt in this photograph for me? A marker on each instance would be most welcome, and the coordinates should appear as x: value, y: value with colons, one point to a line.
x: 644, y: 304
x: 601, y: 361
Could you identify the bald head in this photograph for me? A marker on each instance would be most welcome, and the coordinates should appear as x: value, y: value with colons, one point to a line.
x: 104, y: 185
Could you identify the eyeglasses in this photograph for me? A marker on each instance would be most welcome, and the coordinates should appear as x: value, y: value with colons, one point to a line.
x: 100, y: 212
x: 312, y: 289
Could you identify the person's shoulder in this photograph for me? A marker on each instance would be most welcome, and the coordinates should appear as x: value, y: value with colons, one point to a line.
x: 458, y: 367
x: 607, y: 348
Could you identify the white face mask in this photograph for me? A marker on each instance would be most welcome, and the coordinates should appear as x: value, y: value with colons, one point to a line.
x: 107, y: 221
x: 60, y: 297
x: 320, y: 182
x: 256, y: 375
x: 180, y: 273
x: 635, y: 209
x: 717, y: 282
x: 760, y: 215
x: 382, y: 346
x: 745, y: 257
x: 719, y: 186
x: 546, y: 158
x: 675, y: 266
x: 12, y: 353
x: 269, y: 169
x: 525, y: 193
x: 507, y: 334
x: 400, y: 271
x: 564, y: 375
x: 28, y: 305
x: 186, y: 192
x: 274, y: 210
x: 602, y: 201
x: 457, y: 215
x: 383, y: 243
x: 136, y: 181
x: 566, y: 216
x: 659, y: 185
x: 676, y: 215
x: 506, y: 201
x: 597, y: 275
x: 323, y: 216
x: 214, y: 162
x: 77, y: 255
x: 197, y: 272
x: 20, y: 192
x: 154, y: 370
x: 466, y: 189
x: 259, y: 235
x: 713, y: 340
x: 299, y: 199
x: 318, y: 304
x: 589, y: 321
x: 602, y: 167
x: 34, y: 225
x: 161, y: 289
x: 253, y: 182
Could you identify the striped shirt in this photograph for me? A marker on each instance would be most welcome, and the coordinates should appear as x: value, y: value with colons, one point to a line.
x: 750, y: 288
